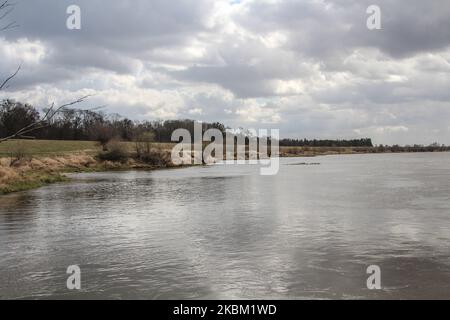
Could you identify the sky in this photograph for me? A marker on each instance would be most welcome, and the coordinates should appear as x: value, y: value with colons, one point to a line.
x: 310, y: 68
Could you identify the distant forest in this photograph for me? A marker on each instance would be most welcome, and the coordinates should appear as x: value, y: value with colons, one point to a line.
x: 78, y: 124
x: 365, y: 142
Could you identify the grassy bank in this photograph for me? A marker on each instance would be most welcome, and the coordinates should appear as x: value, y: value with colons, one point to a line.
x: 46, y: 147
x: 36, y: 148
x: 29, y: 181
x: 30, y: 173
x: 28, y: 164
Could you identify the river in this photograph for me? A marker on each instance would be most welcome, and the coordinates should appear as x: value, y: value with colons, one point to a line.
x: 226, y: 232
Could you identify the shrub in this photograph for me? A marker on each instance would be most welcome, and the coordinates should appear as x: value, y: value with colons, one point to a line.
x: 156, y: 158
x: 17, y: 152
x: 146, y: 152
x: 116, y: 151
x: 143, y: 144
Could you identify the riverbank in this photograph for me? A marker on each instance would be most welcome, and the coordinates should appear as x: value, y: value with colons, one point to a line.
x: 27, y: 165
x: 30, y: 173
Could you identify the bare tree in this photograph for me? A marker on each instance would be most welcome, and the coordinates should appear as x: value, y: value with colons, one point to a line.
x: 103, y: 133
x: 42, y: 123
x: 5, y: 9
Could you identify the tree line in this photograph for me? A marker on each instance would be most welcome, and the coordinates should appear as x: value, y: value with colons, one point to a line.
x: 96, y: 125
x: 365, y: 142
x: 88, y: 125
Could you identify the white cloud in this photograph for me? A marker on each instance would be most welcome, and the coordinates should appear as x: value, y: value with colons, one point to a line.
x: 309, y: 67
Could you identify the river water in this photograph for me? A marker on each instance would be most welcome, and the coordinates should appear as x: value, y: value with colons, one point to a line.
x: 227, y: 232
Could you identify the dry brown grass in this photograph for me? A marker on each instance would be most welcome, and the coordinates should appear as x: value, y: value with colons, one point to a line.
x: 47, y: 161
x: 29, y: 172
x: 35, y: 171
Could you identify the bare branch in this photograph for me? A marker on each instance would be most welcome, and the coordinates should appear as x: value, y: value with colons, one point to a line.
x: 4, y: 83
x: 44, y: 122
x: 5, y: 13
x: 7, y: 8
x: 11, y: 25
x: 5, y: 4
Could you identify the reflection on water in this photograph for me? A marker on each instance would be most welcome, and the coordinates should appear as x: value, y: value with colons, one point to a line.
x: 227, y: 232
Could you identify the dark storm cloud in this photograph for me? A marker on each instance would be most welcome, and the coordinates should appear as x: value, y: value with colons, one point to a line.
x: 321, y: 28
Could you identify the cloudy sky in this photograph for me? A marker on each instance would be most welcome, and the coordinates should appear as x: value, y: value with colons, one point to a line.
x: 308, y: 67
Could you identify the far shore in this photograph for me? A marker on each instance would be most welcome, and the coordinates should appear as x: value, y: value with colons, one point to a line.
x: 41, y: 162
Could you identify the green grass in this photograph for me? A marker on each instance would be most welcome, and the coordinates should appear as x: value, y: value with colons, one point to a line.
x: 47, y: 147
x: 32, y: 180
x: 42, y: 148
x: 60, y: 147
